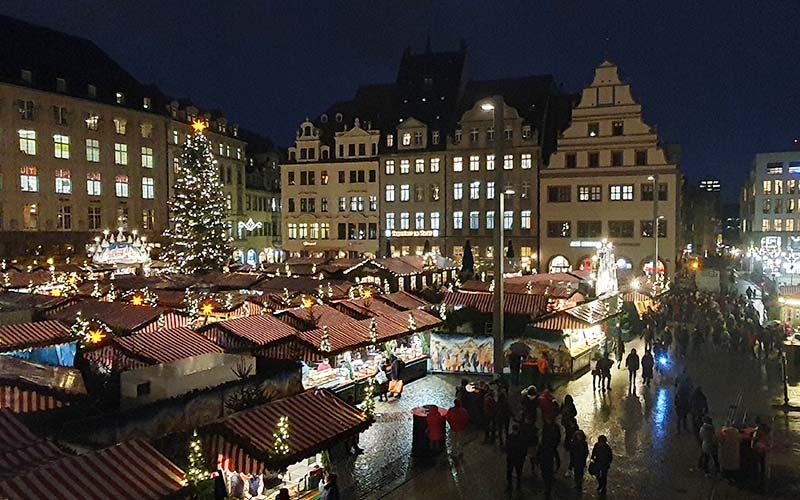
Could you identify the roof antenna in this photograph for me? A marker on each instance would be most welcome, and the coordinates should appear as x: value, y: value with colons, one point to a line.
x: 607, y: 48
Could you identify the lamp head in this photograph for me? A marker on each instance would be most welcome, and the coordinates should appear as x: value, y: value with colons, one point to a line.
x: 487, y: 106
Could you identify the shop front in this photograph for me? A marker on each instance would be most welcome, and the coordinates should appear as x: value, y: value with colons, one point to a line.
x: 315, y: 425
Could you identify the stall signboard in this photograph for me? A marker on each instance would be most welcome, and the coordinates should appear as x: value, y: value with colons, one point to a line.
x: 461, y: 354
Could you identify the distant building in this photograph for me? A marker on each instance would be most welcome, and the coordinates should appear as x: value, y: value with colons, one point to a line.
x: 701, y: 217
x: 731, y: 224
x: 609, y: 179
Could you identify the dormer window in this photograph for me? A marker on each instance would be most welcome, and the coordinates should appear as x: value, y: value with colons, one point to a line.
x: 91, y: 91
x: 418, y: 138
x: 339, y: 118
x: 407, y: 139
x: 147, y: 103
x: 307, y: 131
x: 120, y: 98
x: 435, y: 137
x: 457, y: 137
x: 221, y: 127
x: 27, y: 76
x: 390, y: 140
x: 323, y: 118
x: 526, y: 132
x: 61, y: 85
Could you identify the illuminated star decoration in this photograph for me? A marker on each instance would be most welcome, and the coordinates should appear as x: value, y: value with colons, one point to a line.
x: 207, y: 309
x: 96, y: 336
x: 199, y: 126
x: 137, y: 300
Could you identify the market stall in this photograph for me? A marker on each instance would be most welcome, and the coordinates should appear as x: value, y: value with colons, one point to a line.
x: 568, y: 343
x: 243, y: 444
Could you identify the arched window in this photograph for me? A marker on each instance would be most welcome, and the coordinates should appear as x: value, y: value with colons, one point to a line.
x: 307, y: 131
x: 323, y: 118
x: 325, y: 154
x: 339, y: 118
x: 292, y: 156
x: 559, y: 264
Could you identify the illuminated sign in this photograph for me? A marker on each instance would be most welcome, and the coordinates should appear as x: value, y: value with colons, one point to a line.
x: 585, y: 244
x: 771, y: 241
x: 418, y: 233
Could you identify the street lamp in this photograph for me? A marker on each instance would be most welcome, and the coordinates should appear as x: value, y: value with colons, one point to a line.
x: 495, y: 106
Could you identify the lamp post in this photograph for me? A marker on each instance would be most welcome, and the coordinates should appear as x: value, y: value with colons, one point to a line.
x: 654, y: 179
x: 495, y: 105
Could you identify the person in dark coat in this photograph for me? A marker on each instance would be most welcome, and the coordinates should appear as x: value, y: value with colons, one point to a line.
x: 220, y: 490
x: 569, y: 420
x: 602, y: 456
x: 516, y: 452
x: 578, y: 453
x: 632, y: 364
x: 698, y: 407
x: 515, y: 363
x: 330, y: 491
x: 503, y: 415
x: 547, y: 455
x: 647, y: 367
x: 529, y: 435
x: 604, y: 365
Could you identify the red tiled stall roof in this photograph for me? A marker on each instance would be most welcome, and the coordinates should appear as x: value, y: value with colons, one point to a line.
x: 166, y: 346
x: 789, y: 290
x: 260, y: 330
x: 317, y: 419
x: 516, y: 304
x: 120, y: 316
x: 365, y: 307
x: 560, y: 322
x: 30, y: 335
x: 413, y: 264
x: 403, y: 300
x: 304, y: 318
x: 20, y: 449
x: 304, y: 285
x: 518, y: 285
x: 23, y: 279
x: 132, y: 470
x: 30, y: 301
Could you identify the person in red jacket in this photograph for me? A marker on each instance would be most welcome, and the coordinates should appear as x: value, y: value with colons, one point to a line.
x: 458, y: 418
x: 435, y: 428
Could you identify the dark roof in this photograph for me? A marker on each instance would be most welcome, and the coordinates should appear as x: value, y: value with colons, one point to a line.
x: 120, y: 316
x: 162, y: 347
x: 50, y: 54
x: 59, y: 380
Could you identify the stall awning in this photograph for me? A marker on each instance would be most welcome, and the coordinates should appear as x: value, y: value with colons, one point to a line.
x: 515, y: 304
x: 636, y: 297
x: 133, y: 470
x: 560, y: 322
x: 318, y: 419
x: 20, y: 449
x: 597, y: 310
x: 30, y: 335
x: 403, y: 300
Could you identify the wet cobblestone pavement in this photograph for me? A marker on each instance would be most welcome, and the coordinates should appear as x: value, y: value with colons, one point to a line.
x: 651, y: 460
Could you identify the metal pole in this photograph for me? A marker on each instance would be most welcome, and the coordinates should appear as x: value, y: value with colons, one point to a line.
x: 499, y: 193
x: 655, y: 229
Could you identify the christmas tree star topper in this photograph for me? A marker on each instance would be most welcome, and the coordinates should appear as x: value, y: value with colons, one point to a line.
x: 199, y: 126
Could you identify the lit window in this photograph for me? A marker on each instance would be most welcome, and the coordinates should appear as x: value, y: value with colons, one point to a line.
x: 621, y: 192
x: 594, y: 129
x: 146, y: 130
x: 176, y: 165
x: 435, y: 192
x: 458, y: 164
x: 390, y: 140
x: 64, y: 218
x: 490, y: 219
x: 30, y: 216
x: 490, y: 190
x: 390, y: 192
x: 92, y: 150
x: 29, y: 179
x: 404, y: 220
x: 508, y: 162
x: 147, y: 157
x: 789, y: 225
x: 474, y: 220
x: 93, y: 184
x: 146, y: 102
x: 390, y: 221
x: 373, y: 203
x: 525, y: 219
x: 457, y: 136
x: 61, y: 146
x: 63, y: 181
x: 27, y: 141
x: 405, y: 192
x: 405, y: 166
x: 121, y: 186
x: 175, y: 137
x: 458, y: 220
x: 418, y: 138
x: 389, y: 167
x: 526, y: 132
x: 767, y: 187
x: 435, y: 221
x: 475, y: 190
x: 765, y: 225
x: 777, y: 225
x: 120, y: 126
x: 148, y: 218
x: 434, y: 165
x: 525, y: 161
x: 508, y: 219
x: 419, y: 220
x: 148, y: 188
x: 419, y: 166
x: 407, y: 139
x: 435, y: 137
x: 120, y: 153
x: 489, y: 162
x: 120, y: 98
x: 474, y: 163
x: 458, y: 191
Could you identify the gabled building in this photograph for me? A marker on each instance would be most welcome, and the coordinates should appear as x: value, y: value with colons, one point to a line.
x: 610, y: 178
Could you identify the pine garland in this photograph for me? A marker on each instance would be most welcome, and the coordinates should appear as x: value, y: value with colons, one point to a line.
x: 198, y: 237
x: 196, y: 472
x: 281, y: 436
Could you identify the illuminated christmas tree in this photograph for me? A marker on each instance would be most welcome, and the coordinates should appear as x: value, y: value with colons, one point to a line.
x: 196, y: 472
x: 281, y: 436
x: 198, y: 239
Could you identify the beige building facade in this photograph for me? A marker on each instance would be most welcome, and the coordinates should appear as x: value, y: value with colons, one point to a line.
x: 330, y: 193
x: 74, y: 166
x: 609, y: 179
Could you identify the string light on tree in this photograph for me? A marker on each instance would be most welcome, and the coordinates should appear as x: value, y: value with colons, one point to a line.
x: 373, y: 331
x: 324, y: 342
x: 412, y: 322
x: 281, y: 436
x: 198, y: 239
x: 196, y: 472
x: 369, y: 397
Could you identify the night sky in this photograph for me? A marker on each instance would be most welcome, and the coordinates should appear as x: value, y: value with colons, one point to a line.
x: 721, y: 78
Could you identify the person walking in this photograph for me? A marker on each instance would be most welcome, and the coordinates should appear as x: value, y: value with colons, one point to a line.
x: 489, y: 416
x: 596, y: 377
x: 569, y: 420
x: 648, y: 362
x: 708, y: 446
x: 516, y: 453
x: 529, y: 435
x: 543, y: 367
x: 578, y: 453
x: 602, y: 456
x: 435, y: 422
x: 619, y: 349
x: 698, y: 407
x: 547, y: 455
x: 458, y: 418
x: 604, y: 365
x: 503, y: 414
x: 515, y: 363
x: 632, y: 364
